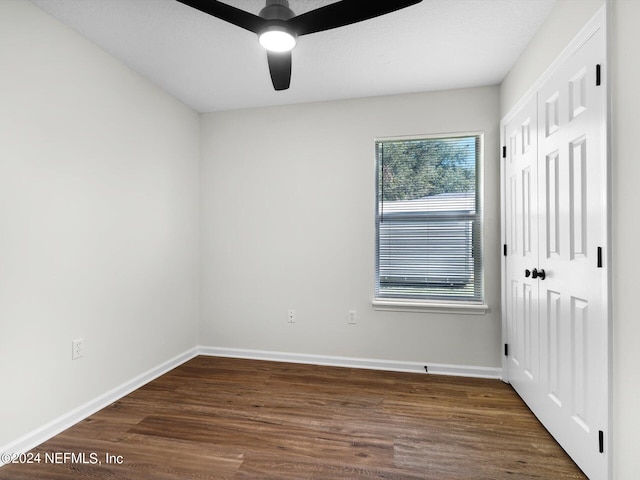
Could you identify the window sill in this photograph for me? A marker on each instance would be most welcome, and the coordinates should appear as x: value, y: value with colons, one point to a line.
x: 387, y: 305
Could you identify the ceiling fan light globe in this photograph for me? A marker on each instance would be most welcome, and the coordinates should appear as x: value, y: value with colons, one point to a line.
x: 277, y: 40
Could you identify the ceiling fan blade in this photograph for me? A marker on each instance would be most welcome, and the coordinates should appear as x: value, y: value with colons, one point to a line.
x: 344, y: 13
x: 230, y: 14
x: 280, y: 69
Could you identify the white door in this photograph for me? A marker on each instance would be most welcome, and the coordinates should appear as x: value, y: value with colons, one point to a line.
x: 521, y: 183
x: 557, y: 322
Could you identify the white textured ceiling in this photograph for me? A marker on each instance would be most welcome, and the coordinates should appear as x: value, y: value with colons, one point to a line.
x: 212, y: 65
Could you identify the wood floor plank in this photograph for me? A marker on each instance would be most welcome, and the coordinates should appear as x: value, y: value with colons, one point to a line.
x: 233, y: 419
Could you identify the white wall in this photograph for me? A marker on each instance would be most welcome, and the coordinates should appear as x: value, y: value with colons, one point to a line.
x: 563, y: 24
x: 288, y: 222
x: 625, y: 77
x: 98, y: 221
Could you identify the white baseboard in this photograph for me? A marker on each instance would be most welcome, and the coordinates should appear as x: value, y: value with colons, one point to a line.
x: 351, y: 362
x: 58, y: 425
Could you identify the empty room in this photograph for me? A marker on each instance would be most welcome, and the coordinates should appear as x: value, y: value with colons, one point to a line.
x: 319, y: 239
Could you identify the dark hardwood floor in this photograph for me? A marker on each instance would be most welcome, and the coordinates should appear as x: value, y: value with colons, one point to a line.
x: 218, y: 418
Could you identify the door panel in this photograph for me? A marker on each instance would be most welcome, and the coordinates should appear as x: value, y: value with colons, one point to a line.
x: 521, y: 174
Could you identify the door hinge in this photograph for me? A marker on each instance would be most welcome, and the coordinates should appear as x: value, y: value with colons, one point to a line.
x: 506, y: 349
x: 599, y: 257
x: 504, y: 249
x: 601, y: 441
x: 598, y: 75
x: 504, y: 152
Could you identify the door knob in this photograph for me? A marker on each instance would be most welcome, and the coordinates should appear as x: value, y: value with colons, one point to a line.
x: 527, y: 273
x: 538, y: 274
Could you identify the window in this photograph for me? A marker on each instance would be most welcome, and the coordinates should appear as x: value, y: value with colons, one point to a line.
x: 429, y: 220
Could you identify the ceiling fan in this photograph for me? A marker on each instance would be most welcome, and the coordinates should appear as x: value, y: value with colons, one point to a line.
x: 278, y: 27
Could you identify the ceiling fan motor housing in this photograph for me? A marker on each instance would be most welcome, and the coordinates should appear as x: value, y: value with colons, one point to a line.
x: 277, y: 10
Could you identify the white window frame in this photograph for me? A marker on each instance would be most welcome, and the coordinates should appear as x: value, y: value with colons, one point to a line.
x: 418, y: 304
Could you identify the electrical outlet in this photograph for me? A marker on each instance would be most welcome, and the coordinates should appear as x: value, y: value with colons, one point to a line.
x: 291, y: 315
x: 77, y: 348
x: 353, y: 318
